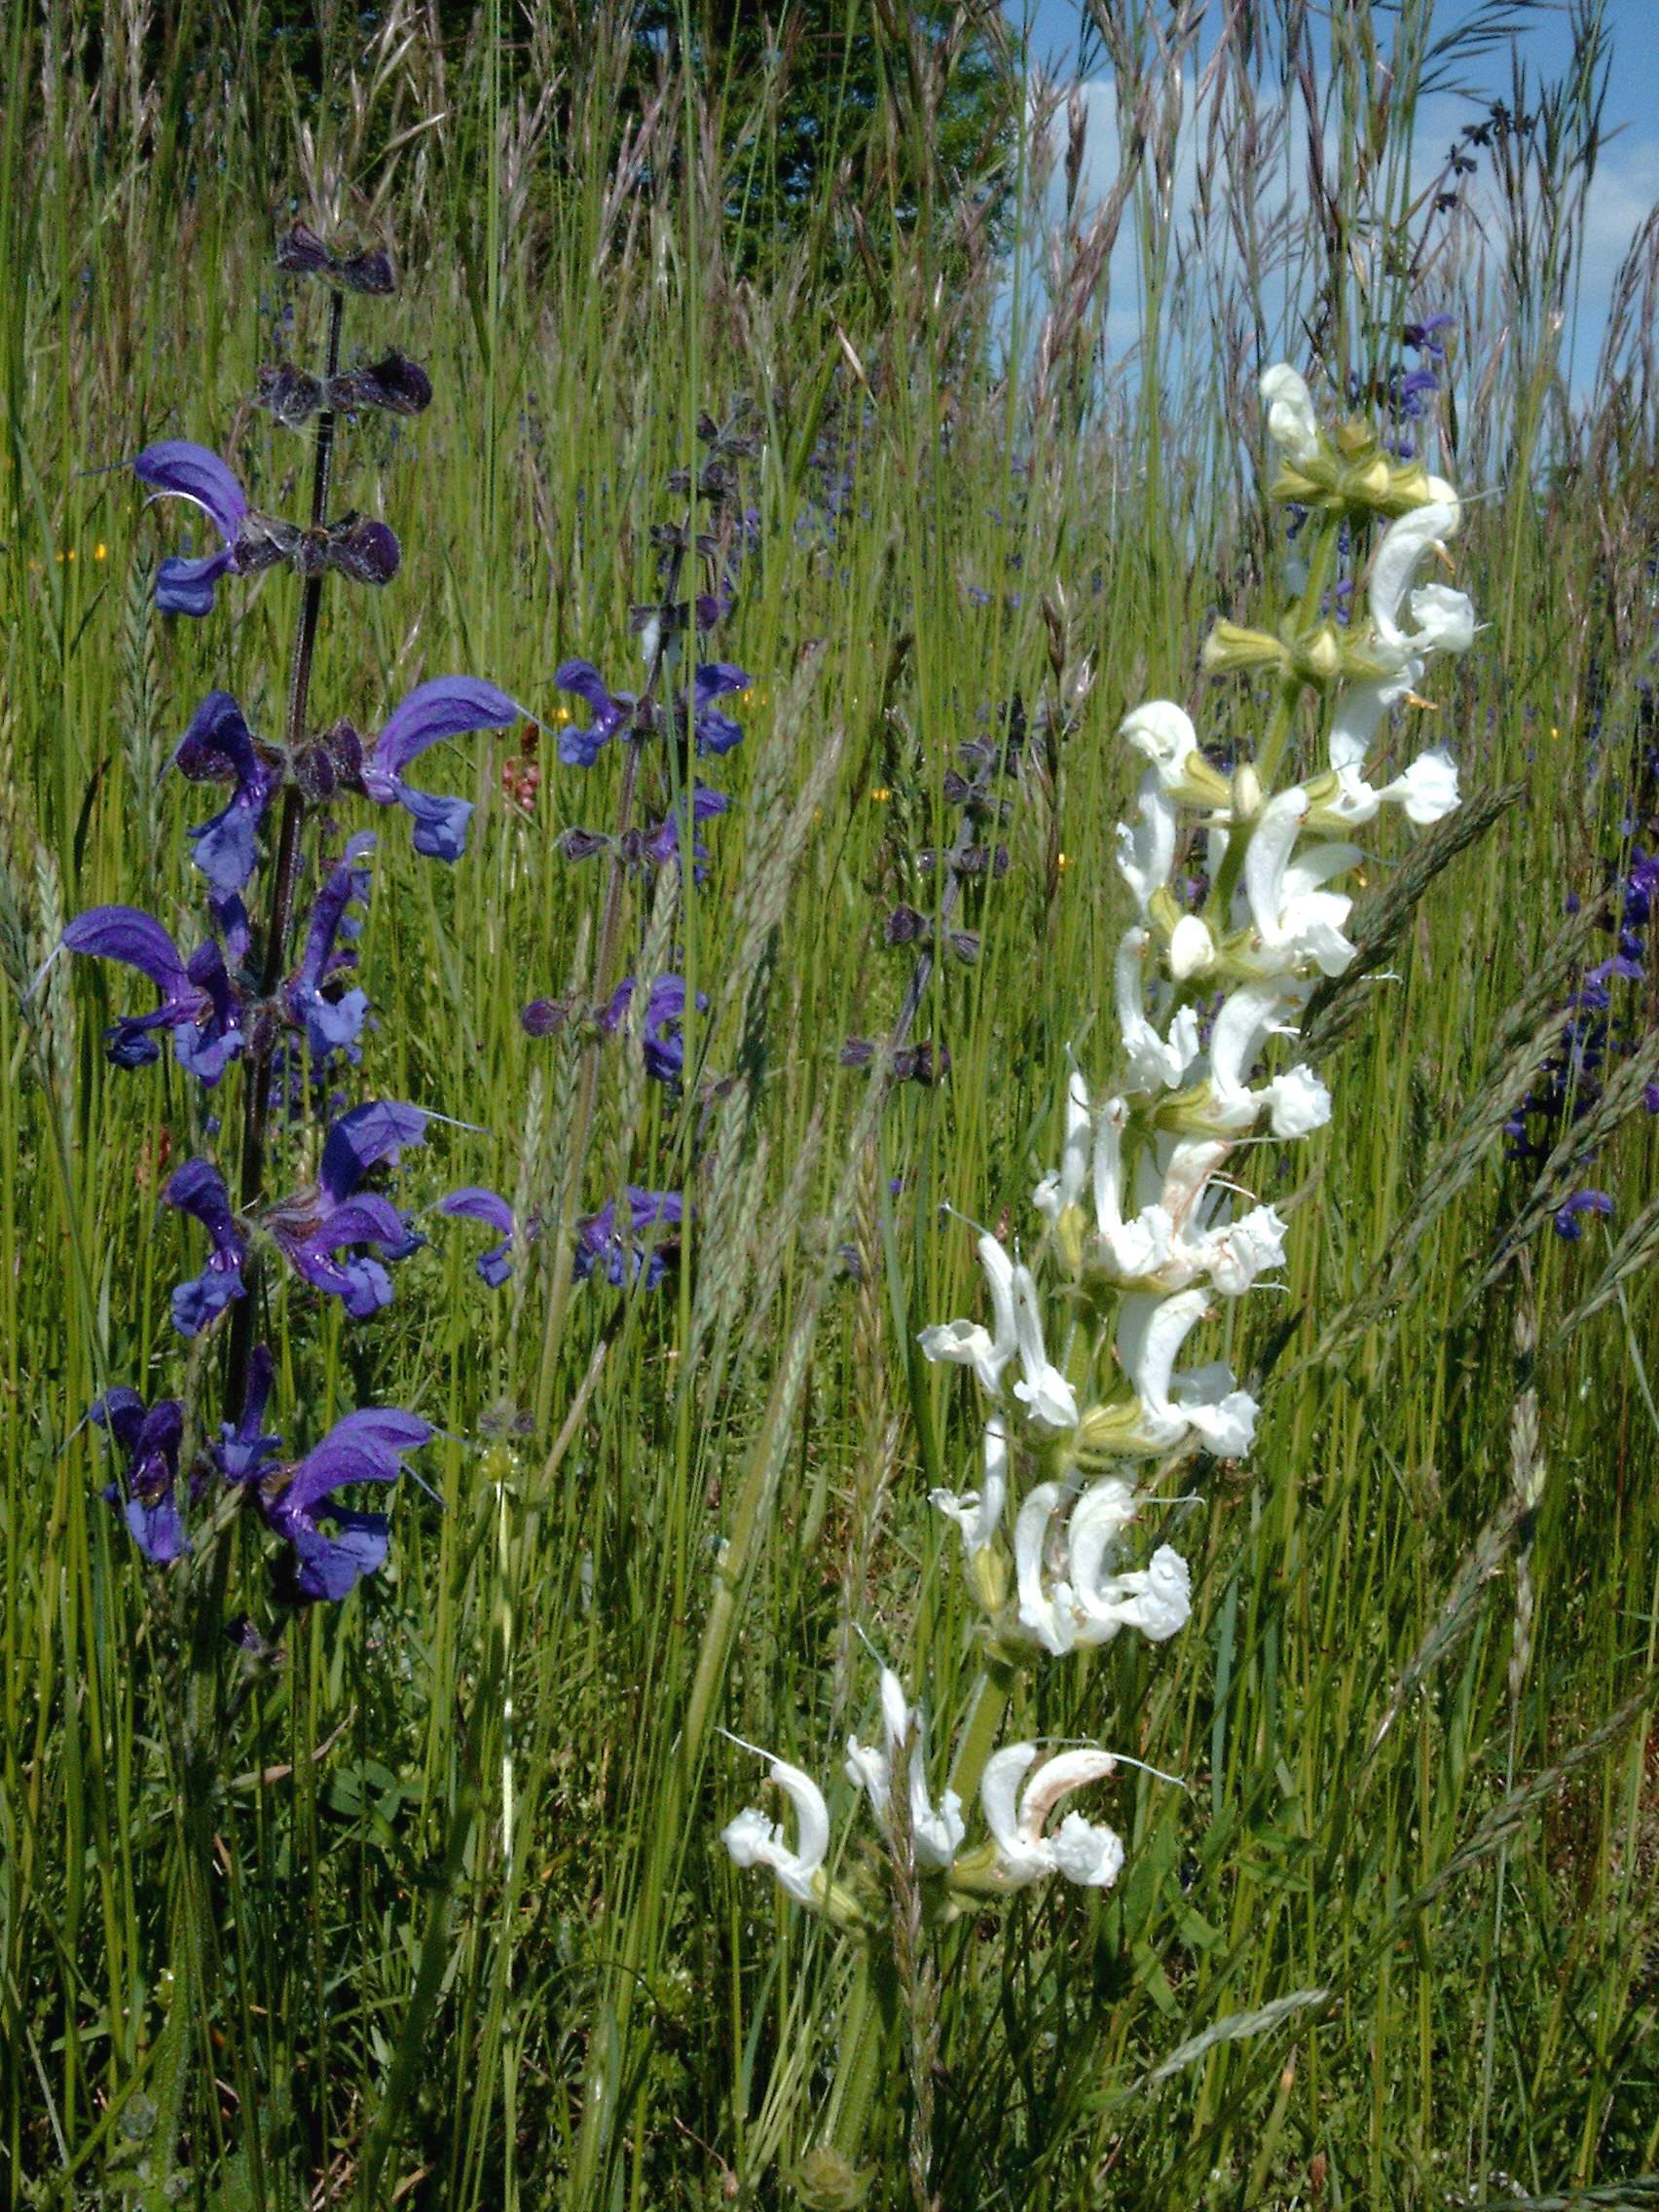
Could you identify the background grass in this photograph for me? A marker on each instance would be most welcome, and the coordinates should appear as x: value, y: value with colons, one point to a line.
x: 467, y: 1936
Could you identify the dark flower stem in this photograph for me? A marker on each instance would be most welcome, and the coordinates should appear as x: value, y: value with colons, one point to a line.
x: 284, y: 881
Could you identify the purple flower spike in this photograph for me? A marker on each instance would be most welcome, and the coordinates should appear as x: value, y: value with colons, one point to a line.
x: 144, y: 1495
x: 581, y: 748
x: 366, y: 1447
x: 488, y: 1207
x: 198, y: 1002
x: 332, y: 1019
x: 187, y: 471
x: 1567, y: 1221
x: 450, y: 706
x: 199, y: 1189
x: 241, y: 1452
x: 713, y: 731
x: 219, y: 745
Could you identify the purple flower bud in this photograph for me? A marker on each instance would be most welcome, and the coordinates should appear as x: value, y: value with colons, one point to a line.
x: 218, y: 746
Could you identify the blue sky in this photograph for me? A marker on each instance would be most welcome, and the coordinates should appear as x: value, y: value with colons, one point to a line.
x: 1627, y: 181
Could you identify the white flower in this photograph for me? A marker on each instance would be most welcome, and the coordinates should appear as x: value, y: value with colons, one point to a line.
x: 1164, y: 732
x: 978, y: 1513
x: 1044, y: 1391
x: 937, y: 1834
x: 968, y: 1343
x: 1292, y: 424
x: 1296, y: 921
x: 1237, y: 1253
x: 1155, y: 1063
x: 1086, y: 1854
x: 1147, y: 853
x: 1444, y: 619
x: 1223, y: 1416
x: 1192, y: 948
x: 1158, y: 1599
x: 1428, y: 789
x: 1045, y: 1608
x: 1298, y: 1102
x: 1151, y: 1332
x: 1129, y: 1249
x: 755, y: 1841
x: 1064, y: 1186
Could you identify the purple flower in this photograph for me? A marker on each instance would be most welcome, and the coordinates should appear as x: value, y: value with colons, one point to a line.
x: 366, y: 1447
x: 475, y: 1204
x: 241, y: 1452
x: 713, y: 731
x: 199, y: 1190
x: 581, y: 748
x: 191, y: 472
x: 313, y: 1226
x: 450, y: 706
x: 601, y: 1243
x: 218, y: 745
x: 332, y: 1021
x: 199, y: 1004
x: 1567, y: 1221
x: 660, y: 1024
x: 144, y: 1493
x: 661, y: 844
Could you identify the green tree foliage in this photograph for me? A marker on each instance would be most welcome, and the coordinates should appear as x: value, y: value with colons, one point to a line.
x: 906, y: 103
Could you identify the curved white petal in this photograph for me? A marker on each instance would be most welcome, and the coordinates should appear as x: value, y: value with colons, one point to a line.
x: 1016, y: 1862
x: 1087, y: 1853
x: 1292, y: 424
x: 1164, y: 732
x: 978, y: 1513
x: 1192, y: 948
x: 1146, y: 854
x: 1042, y: 1615
x: 754, y: 1841
x: 1045, y: 1391
x: 1402, y: 546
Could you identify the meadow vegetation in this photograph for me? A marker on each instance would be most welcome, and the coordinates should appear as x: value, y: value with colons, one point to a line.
x: 445, y: 1918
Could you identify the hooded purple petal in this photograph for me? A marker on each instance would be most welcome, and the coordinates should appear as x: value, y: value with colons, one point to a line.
x: 332, y: 1023
x: 450, y: 706
x: 191, y: 472
x: 379, y: 1130
x: 199, y: 1190
x: 122, y: 933
x: 243, y: 1451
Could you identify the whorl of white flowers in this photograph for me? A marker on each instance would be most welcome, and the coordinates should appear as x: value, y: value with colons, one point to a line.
x: 1016, y: 1853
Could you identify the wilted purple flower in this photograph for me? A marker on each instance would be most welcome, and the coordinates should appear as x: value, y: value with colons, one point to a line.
x: 198, y: 1002
x: 302, y: 253
x: 1567, y: 1219
x: 581, y: 748
x: 366, y: 1447
x: 475, y: 1204
x: 713, y: 731
x: 187, y: 471
x: 660, y: 1024
x: 199, y: 1190
x: 218, y: 746
x: 450, y: 706
x: 313, y: 1227
x: 542, y: 1016
x: 241, y: 1452
x: 601, y: 1243
x: 332, y: 1023
x: 144, y: 1493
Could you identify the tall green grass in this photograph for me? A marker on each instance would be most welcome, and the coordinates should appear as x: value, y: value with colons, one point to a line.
x: 469, y: 1939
